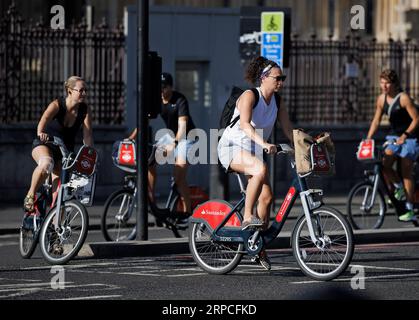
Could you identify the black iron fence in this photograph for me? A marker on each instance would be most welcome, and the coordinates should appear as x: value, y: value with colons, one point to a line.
x: 329, y: 82
x: 337, y: 82
x: 35, y: 61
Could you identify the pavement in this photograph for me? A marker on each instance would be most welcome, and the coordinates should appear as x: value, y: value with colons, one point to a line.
x: 163, y: 242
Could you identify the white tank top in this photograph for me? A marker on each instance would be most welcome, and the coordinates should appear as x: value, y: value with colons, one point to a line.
x: 263, y: 118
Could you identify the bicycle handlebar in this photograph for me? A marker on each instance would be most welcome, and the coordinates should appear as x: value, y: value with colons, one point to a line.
x: 282, y: 148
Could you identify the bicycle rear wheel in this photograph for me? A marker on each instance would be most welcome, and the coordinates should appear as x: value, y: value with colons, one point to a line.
x: 361, y: 212
x: 61, y: 243
x: 118, y: 221
x: 213, y: 257
x: 328, y: 258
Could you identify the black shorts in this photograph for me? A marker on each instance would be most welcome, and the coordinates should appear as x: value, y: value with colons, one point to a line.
x: 56, y: 153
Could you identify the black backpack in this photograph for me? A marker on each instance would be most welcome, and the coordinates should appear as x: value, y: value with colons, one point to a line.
x: 229, y: 106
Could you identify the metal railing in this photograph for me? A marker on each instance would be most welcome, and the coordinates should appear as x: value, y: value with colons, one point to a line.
x: 322, y: 89
x: 36, y: 60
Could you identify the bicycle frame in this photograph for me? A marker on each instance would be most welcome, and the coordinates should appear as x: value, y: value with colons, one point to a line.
x: 376, y: 176
x: 223, y: 233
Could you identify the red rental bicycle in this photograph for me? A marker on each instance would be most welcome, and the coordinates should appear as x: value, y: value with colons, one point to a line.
x: 322, y: 239
x: 61, y: 225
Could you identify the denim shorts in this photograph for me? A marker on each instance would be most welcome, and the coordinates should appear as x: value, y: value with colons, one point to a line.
x: 182, y: 149
x: 409, y: 149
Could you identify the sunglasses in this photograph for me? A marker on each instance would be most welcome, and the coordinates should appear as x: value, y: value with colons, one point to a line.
x: 279, y: 78
x: 82, y: 90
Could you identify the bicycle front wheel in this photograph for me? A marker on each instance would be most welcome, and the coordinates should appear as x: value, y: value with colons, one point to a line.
x: 364, y: 212
x: 118, y: 221
x: 28, y: 239
x: 60, y: 243
x: 213, y: 257
x: 331, y: 254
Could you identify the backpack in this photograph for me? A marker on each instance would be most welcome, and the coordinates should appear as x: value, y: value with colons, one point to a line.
x: 229, y: 106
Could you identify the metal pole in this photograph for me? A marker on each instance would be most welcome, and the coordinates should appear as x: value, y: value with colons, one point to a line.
x: 142, y: 123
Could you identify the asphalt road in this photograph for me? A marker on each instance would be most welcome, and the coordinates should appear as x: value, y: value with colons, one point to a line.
x: 379, y: 271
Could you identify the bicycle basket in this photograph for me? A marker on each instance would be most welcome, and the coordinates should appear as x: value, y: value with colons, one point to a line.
x: 124, y: 155
x: 85, y: 161
x: 83, y: 188
x: 367, y: 152
x: 314, y: 155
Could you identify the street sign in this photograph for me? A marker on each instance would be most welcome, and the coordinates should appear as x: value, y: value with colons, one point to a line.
x: 272, y: 39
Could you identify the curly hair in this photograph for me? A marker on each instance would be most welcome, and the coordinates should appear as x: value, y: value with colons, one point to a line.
x: 391, y: 76
x: 256, y: 69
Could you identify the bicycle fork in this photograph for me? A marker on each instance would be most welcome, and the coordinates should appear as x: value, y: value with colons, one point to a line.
x: 310, y: 203
x: 365, y: 206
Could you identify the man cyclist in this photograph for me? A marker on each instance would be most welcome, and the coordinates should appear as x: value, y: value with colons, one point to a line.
x: 176, y: 116
x: 404, y: 120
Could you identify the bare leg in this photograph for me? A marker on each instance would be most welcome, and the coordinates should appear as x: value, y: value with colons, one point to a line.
x: 388, y: 162
x: 41, y: 171
x: 408, y: 182
x: 265, y: 201
x: 248, y: 164
x: 180, y: 172
x: 151, y: 182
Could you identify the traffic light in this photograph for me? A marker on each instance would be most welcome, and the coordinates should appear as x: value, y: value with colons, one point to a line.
x: 152, y: 88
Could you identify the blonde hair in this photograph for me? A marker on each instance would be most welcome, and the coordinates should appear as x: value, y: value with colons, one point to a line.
x: 71, y: 82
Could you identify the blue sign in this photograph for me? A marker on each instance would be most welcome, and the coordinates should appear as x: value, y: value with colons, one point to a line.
x: 272, y: 47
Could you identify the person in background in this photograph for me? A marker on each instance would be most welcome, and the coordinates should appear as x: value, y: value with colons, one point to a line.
x: 176, y: 116
x: 404, y: 120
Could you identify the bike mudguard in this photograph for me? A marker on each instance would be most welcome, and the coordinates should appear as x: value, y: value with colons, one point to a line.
x: 214, y: 212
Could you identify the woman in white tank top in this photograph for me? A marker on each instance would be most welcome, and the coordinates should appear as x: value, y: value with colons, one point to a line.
x: 241, y: 147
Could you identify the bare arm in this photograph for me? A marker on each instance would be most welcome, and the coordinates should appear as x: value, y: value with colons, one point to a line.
x: 87, y: 129
x: 46, y: 118
x: 182, y: 125
x: 245, y: 106
x: 133, y: 135
x: 406, y: 102
x: 284, y: 121
x: 375, y: 123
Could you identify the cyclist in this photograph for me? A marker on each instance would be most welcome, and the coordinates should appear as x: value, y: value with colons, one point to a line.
x: 62, y: 118
x: 241, y: 146
x: 175, y: 114
x: 404, y: 119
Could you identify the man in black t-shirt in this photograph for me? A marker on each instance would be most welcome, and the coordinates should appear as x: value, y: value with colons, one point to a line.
x: 176, y: 116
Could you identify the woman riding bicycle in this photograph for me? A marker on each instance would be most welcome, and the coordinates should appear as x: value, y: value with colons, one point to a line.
x: 241, y: 146
x: 62, y: 118
x: 404, y: 119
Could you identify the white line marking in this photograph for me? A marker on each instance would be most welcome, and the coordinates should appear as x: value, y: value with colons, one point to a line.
x: 364, y: 278
x: 92, y: 297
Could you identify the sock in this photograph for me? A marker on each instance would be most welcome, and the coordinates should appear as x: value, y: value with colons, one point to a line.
x: 397, y: 185
x: 409, y: 206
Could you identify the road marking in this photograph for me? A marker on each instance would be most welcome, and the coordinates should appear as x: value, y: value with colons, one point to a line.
x: 363, y: 278
x: 92, y: 297
x: 6, y: 244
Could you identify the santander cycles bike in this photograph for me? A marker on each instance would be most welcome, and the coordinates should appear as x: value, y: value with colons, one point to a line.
x: 118, y: 221
x: 60, y: 225
x: 366, y: 205
x: 322, y: 239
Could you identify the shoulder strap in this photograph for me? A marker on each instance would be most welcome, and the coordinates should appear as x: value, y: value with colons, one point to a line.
x: 390, y: 108
x: 256, y: 93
